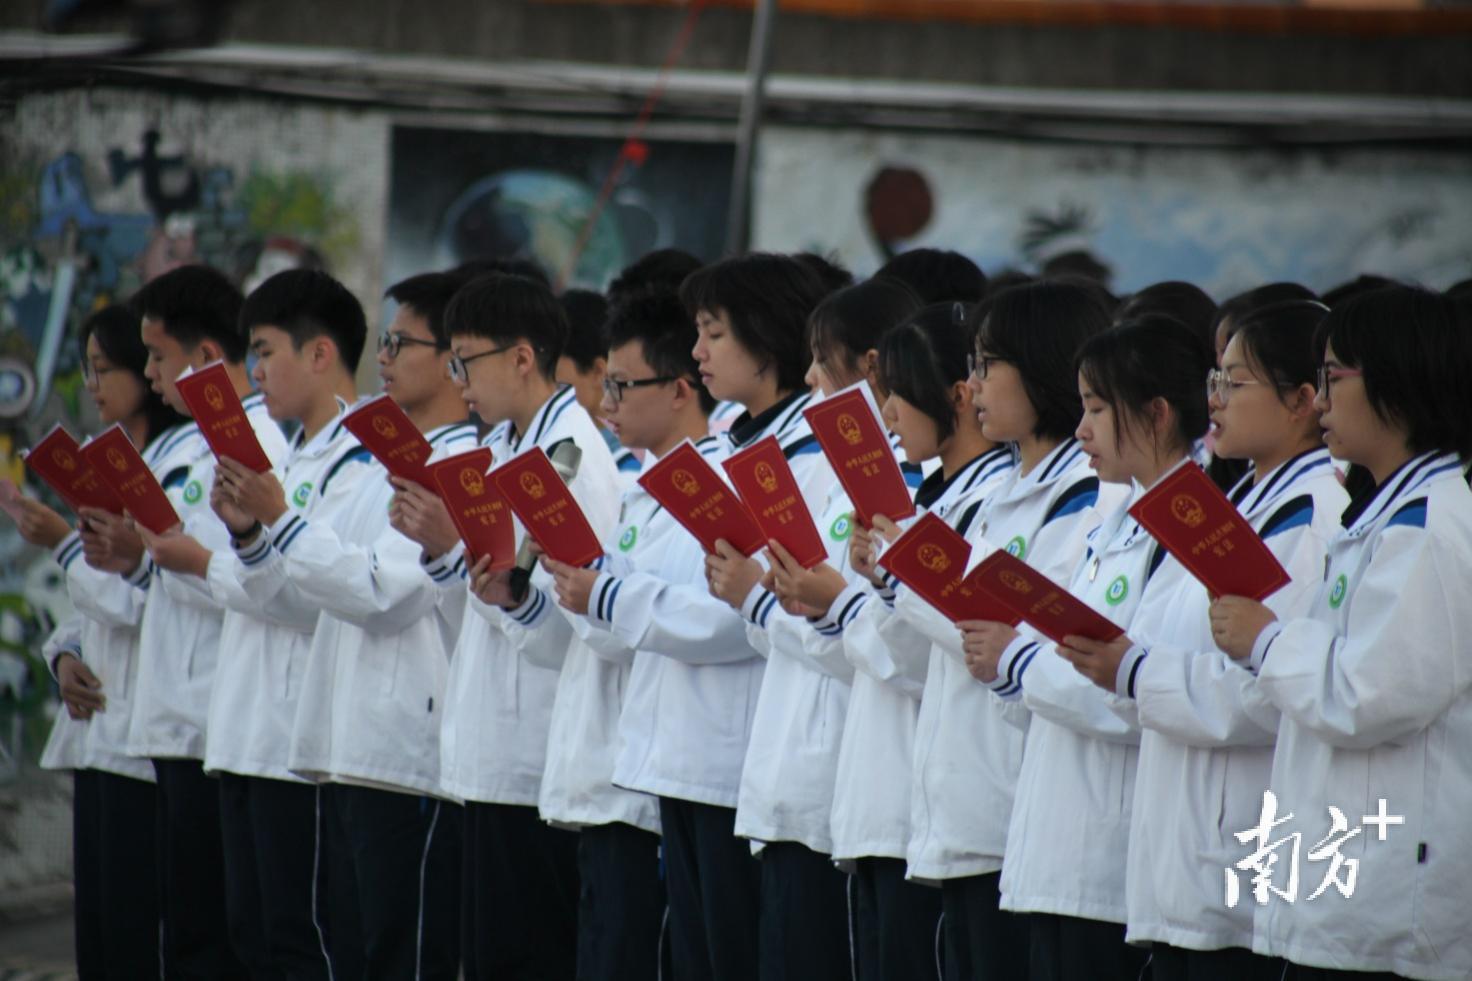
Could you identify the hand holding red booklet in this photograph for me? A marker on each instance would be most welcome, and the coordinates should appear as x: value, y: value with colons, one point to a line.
x: 58, y: 460
x: 383, y: 428
x: 480, y: 513
x: 1052, y: 610
x: 123, y: 469
x: 695, y: 495
x: 767, y: 487
x: 930, y: 558
x: 1199, y: 525
x: 848, y: 429
x: 216, y: 408
x: 546, y: 507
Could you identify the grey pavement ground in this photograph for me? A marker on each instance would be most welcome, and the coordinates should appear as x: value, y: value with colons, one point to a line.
x: 38, y: 948
x: 35, y: 877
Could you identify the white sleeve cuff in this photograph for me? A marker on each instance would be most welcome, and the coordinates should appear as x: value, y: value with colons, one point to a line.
x: 286, y: 530
x: 602, y: 597
x: 447, y: 568
x: 841, y: 613
x: 1016, y: 659
x: 255, y: 552
x: 758, y: 605
x: 68, y: 550
x: 1129, y: 671
x: 533, y: 610
x: 142, y: 575
x: 1260, y: 646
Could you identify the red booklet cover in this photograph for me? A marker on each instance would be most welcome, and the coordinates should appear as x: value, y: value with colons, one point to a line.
x: 480, y: 513
x: 124, y: 471
x: 217, y: 411
x: 535, y: 491
x: 58, y: 460
x: 1053, y: 610
x: 695, y: 495
x: 1198, y: 524
x: 397, y: 443
x: 848, y: 429
x: 764, y: 480
x: 930, y: 558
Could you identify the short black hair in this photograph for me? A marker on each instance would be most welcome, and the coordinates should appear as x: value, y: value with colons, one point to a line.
x: 116, y: 330
x: 1149, y: 357
x: 922, y: 358
x: 1007, y: 278
x: 767, y: 298
x: 662, y: 269
x: 1278, y: 342
x: 1079, y: 264
x: 428, y: 294
x: 1363, y: 283
x: 1040, y: 327
x: 1462, y: 289
x: 1235, y: 309
x: 850, y: 322
x: 1186, y: 302
x: 937, y: 275
x: 505, y: 309
x: 195, y: 304
x: 834, y: 274
x: 307, y: 304
x: 476, y: 268
x: 658, y: 321
x: 587, y: 337
x: 1415, y: 349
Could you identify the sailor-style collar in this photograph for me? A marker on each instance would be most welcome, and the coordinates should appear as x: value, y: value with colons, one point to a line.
x: 1252, y: 499
x: 746, y: 428
x: 1401, y: 488
x: 545, y: 418
x: 939, y: 493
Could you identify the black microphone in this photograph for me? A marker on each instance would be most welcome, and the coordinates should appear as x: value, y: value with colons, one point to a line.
x: 565, y: 457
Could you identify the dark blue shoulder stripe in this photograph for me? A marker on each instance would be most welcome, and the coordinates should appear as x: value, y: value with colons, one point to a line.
x: 1412, y: 515
x: 913, y: 473
x: 1081, y: 495
x: 1299, y: 511
x: 799, y: 447
x: 175, y: 477
x: 450, y: 432
x: 967, y: 517
x: 356, y: 453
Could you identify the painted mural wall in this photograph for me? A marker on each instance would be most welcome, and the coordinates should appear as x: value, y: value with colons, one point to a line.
x: 1224, y: 219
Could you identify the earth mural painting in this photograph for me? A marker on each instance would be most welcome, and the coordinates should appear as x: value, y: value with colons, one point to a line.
x: 63, y: 255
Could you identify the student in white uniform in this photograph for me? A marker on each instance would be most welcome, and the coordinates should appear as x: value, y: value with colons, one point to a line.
x: 189, y: 319
x: 307, y: 333
x: 1375, y: 684
x: 751, y: 312
x: 1144, y: 407
x: 926, y: 404
x: 520, y: 901
x: 583, y: 365
x: 967, y: 755
x: 95, y: 663
x: 1204, y: 726
x: 367, y: 715
x: 652, y: 402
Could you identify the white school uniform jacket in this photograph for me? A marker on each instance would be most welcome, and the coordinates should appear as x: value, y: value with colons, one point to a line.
x: 692, y: 691
x: 1206, y: 745
x: 966, y: 754
x: 871, y: 801
x: 265, y: 646
x: 1070, y: 824
x: 498, y: 705
x: 373, y: 688
x: 1375, y: 691
x: 180, y: 634
x: 109, y: 612
x: 593, y: 669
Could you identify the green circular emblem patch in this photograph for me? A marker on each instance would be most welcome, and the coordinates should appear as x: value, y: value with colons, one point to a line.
x: 1117, y: 591
x: 1336, y: 595
x: 303, y: 494
x: 193, y: 491
x: 842, y: 527
x: 1017, y: 547
x: 628, y: 538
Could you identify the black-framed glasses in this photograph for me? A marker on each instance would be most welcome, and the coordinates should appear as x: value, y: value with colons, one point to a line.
x: 615, y: 388
x: 1329, y: 373
x: 459, y: 367
x: 977, y: 365
x: 393, y: 342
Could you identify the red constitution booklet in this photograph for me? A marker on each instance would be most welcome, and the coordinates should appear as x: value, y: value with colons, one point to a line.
x: 762, y: 477
x: 1198, y: 524
x: 1052, y: 610
x: 122, y: 469
x: 546, y: 507
x: 58, y: 460
x: 480, y: 513
x: 847, y: 427
x: 695, y: 495
x: 930, y: 558
x: 387, y: 433
x: 217, y: 411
